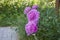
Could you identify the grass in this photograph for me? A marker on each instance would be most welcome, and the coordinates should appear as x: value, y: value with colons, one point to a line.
x: 49, y: 23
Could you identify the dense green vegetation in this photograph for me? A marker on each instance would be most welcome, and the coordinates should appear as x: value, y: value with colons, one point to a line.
x: 11, y: 14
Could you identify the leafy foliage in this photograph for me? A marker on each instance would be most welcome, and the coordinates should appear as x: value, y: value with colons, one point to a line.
x: 11, y: 14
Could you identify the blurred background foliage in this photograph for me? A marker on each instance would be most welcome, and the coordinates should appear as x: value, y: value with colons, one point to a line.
x: 12, y: 14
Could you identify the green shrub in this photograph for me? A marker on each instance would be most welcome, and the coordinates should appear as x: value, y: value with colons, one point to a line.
x: 11, y: 14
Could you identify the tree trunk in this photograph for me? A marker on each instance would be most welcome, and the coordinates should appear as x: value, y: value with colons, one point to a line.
x: 57, y: 6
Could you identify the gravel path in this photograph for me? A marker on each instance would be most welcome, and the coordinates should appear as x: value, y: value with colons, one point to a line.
x: 7, y: 33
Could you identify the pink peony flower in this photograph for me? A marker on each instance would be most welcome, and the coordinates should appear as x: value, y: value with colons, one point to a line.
x: 27, y: 9
x: 31, y: 28
x: 33, y: 15
x: 34, y: 6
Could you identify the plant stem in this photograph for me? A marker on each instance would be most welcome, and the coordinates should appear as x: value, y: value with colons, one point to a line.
x: 35, y: 37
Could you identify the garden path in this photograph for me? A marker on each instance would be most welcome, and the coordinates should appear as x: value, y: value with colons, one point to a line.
x: 8, y: 33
